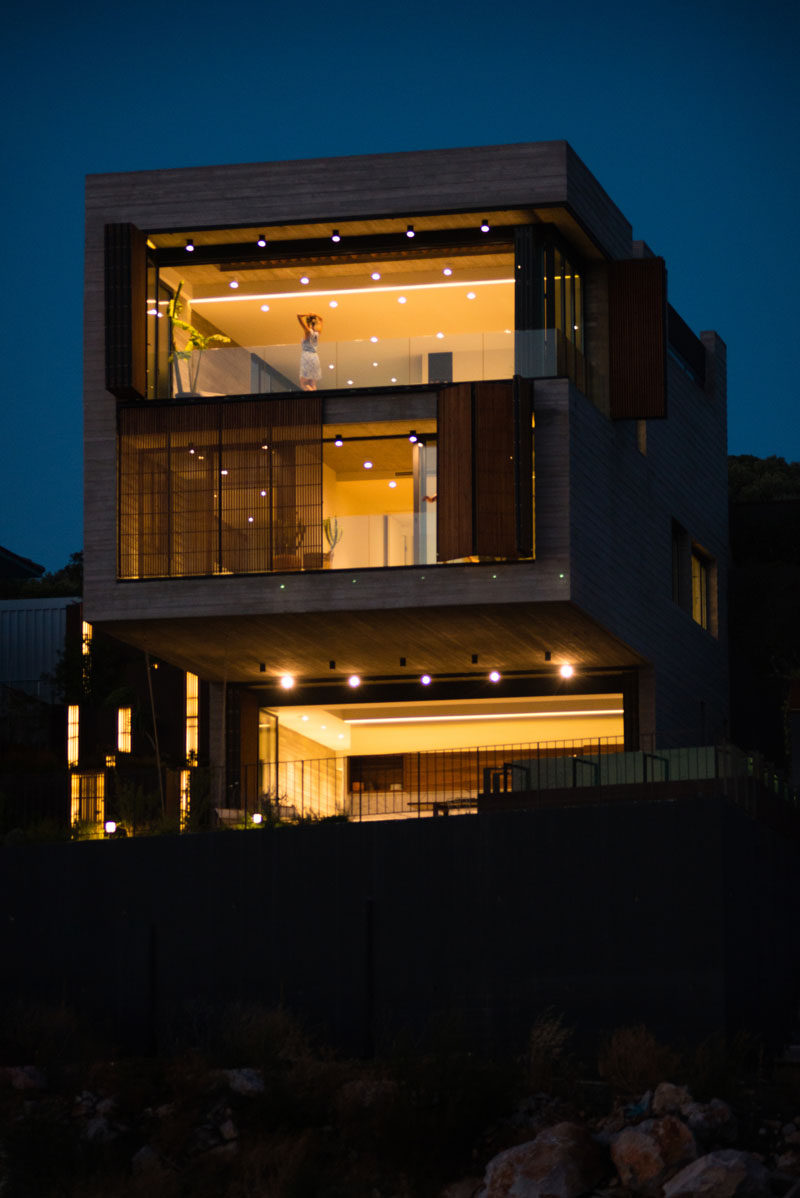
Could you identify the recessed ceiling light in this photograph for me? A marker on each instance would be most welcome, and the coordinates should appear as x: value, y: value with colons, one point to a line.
x: 349, y: 382
x: 263, y: 494
x: 440, y: 335
x: 250, y: 519
x: 333, y: 304
x: 373, y: 339
x: 367, y: 464
x: 223, y: 471
x: 447, y: 271
x: 470, y: 295
x: 304, y: 718
x: 392, y: 483
x: 401, y: 299
x: 374, y: 363
x: 265, y: 307
x: 331, y: 366
x: 376, y: 274
x: 304, y: 279
x: 233, y: 283
x: 392, y: 379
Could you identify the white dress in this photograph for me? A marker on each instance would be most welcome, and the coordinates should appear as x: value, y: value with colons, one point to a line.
x: 309, y: 359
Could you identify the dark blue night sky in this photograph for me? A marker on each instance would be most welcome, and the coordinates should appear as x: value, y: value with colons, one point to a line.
x: 686, y: 112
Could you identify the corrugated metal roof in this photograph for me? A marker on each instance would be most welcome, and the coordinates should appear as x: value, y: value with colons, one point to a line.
x: 32, y: 635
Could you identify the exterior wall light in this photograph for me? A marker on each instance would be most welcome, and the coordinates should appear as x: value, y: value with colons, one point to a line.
x: 287, y: 682
x: 257, y: 818
x: 262, y: 241
x: 412, y: 436
x: 425, y: 679
x: 354, y: 681
x: 189, y: 246
x: 410, y: 231
x: 337, y: 440
x: 335, y: 235
x: 495, y: 676
x: 566, y: 671
x: 368, y: 464
x: 485, y: 225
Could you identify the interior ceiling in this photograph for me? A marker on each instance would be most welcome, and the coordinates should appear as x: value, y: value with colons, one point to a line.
x: 439, y: 640
x: 477, y: 297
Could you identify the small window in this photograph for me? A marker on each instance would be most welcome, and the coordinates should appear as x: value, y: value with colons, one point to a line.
x: 124, y: 715
x: 704, y: 590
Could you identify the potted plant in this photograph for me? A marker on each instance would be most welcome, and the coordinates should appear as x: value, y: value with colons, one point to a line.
x: 192, y: 352
x: 333, y: 535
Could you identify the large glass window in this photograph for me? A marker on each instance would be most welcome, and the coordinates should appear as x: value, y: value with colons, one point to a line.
x: 391, y: 309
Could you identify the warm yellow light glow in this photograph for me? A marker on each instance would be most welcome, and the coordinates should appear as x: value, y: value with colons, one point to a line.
x: 287, y: 682
x: 276, y: 295
x: 111, y: 761
x: 73, y: 735
x: 257, y: 817
x: 566, y: 671
x: 354, y: 681
x: 184, y: 797
x: 503, y: 715
x: 87, y: 799
x: 124, y: 715
x: 86, y: 636
x: 111, y: 827
x: 192, y: 714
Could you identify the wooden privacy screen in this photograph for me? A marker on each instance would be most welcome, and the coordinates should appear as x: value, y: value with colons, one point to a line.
x: 484, y: 471
x: 220, y: 488
x: 126, y: 311
x: 637, y: 322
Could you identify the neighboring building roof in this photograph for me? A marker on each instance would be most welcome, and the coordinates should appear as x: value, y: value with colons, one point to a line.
x: 14, y: 566
x: 32, y: 633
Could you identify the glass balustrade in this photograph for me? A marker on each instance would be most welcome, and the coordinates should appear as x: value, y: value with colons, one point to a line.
x: 374, y: 363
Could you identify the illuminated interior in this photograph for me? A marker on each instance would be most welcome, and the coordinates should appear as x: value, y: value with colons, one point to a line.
x: 397, y: 758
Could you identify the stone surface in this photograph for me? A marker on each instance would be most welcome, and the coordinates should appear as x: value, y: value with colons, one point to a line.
x: 562, y: 1162
x: 648, y: 1155
x: 245, y: 1081
x: 669, y: 1099
x: 728, y: 1173
x: 712, y: 1122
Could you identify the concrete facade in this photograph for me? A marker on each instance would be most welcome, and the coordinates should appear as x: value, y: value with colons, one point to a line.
x: 609, y: 492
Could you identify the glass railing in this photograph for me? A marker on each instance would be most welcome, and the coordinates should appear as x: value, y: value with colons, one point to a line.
x: 376, y: 363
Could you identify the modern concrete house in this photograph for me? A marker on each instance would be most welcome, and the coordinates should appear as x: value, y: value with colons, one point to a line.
x: 479, y: 515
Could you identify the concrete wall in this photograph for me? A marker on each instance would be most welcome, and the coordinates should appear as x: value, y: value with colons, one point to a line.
x: 680, y: 914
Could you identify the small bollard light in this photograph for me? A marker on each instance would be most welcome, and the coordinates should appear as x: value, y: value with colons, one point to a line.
x: 257, y: 818
x: 111, y: 827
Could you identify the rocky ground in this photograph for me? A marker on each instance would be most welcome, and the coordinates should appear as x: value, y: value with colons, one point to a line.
x: 289, y: 1120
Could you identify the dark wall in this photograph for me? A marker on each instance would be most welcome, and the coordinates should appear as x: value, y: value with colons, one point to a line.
x: 679, y: 914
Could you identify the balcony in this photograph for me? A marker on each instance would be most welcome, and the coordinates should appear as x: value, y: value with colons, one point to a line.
x: 377, y: 363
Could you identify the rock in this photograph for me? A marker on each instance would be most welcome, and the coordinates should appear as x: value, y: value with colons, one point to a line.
x: 728, y: 1173
x: 467, y: 1187
x: 245, y: 1081
x: 712, y: 1122
x: 789, y: 1162
x: 98, y: 1130
x: 669, y: 1099
x: 228, y: 1130
x: 562, y: 1162
x: 24, y: 1077
x: 640, y: 1109
x: 146, y: 1160
x: 649, y: 1154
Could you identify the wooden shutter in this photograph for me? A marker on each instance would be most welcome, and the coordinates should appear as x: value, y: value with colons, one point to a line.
x: 454, y: 507
x: 126, y: 311
x: 637, y: 319
x: 484, y: 482
x: 495, y: 519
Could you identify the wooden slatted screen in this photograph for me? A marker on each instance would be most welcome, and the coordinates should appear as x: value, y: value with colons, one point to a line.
x: 454, y: 508
x: 200, y: 494
x: 126, y: 311
x: 523, y: 473
x: 495, y: 519
x: 637, y: 318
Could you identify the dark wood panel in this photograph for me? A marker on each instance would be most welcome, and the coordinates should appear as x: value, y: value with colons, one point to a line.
x: 454, y: 508
x: 637, y: 303
x: 523, y: 470
x: 126, y: 311
x: 495, y: 514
